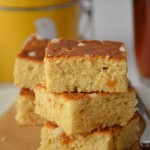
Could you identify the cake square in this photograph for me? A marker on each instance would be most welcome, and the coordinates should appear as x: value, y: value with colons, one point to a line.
x: 25, y: 109
x: 84, y: 112
x: 85, y: 66
x: 115, y: 138
x: 29, y: 68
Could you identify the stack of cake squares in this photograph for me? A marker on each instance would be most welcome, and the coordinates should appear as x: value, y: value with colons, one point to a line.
x: 85, y: 97
x: 29, y: 71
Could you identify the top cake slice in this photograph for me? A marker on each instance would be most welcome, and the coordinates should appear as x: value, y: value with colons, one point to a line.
x: 29, y: 67
x: 85, y: 66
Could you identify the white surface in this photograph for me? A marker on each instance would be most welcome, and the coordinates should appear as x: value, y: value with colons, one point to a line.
x: 8, y: 93
x: 113, y: 21
x: 144, y: 93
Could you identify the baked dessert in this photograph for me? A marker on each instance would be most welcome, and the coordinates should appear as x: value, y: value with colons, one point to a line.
x: 25, y: 109
x: 115, y: 138
x: 29, y: 68
x: 85, y: 66
x: 84, y: 112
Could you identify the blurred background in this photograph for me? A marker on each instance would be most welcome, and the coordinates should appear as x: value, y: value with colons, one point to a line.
x: 114, y: 21
x: 98, y: 19
x: 127, y: 21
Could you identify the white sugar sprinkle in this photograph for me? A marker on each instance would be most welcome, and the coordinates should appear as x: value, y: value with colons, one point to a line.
x: 122, y: 49
x: 57, y: 131
x: 55, y: 40
x: 81, y: 44
x: 39, y: 37
x: 87, y: 55
x: 46, y: 49
x: 107, y: 56
x: 93, y: 95
x: 32, y: 54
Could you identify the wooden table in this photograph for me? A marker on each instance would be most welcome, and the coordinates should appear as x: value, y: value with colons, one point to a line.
x: 16, y: 137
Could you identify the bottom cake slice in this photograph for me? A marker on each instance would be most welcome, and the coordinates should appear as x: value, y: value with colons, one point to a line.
x: 25, y: 109
x: 115, y: 138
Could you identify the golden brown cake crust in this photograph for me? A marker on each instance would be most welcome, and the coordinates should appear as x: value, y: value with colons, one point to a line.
x: 81, y: 48
x: 53, y: 125
x: 77, y: 96
x: 25, y: 91
x: 116, y: 127
x: 110, y: 139
x: 35, y: 47
x: 50, y: 124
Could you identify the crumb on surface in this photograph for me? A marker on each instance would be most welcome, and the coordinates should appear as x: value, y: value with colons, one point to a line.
x: 3, y: 139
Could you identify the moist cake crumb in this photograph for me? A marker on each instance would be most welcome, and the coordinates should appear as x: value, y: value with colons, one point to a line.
x: 25, y: 108
x: 84, y: 112
x: 80, y: 61
x: 29, y: 66
x: 116, y: 138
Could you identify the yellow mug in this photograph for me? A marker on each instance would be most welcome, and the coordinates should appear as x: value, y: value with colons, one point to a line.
x: 19, y: 19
